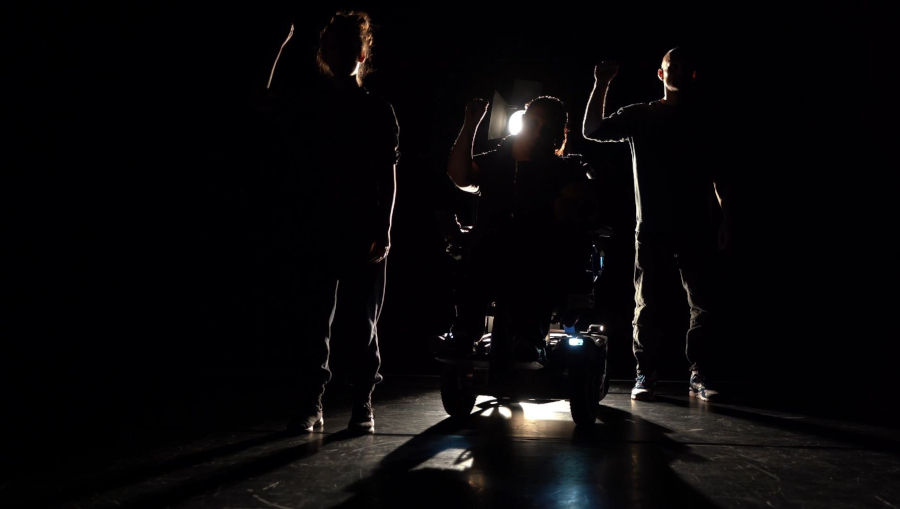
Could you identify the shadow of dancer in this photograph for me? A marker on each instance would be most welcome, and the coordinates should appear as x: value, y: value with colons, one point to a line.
x: 625, y: 461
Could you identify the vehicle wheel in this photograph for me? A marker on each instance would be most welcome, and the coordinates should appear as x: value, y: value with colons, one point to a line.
x: 585, y: 391
x: 604, y: 377
x: 458, y: 402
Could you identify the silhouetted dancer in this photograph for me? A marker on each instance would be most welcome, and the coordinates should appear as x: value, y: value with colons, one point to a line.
x: 529, y: 195
x: 674, y: 173
x: 340, y: 144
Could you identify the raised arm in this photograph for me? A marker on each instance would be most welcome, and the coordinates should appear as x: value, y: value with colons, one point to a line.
x: 596, y: 108
x: 460, y: 168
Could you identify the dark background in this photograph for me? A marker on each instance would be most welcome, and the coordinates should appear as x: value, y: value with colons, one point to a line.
x: 137, y: 227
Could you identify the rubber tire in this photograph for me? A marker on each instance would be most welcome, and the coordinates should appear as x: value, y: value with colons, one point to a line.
x: 605, y: 378
x: 585, y: 392
x: 457, y: 402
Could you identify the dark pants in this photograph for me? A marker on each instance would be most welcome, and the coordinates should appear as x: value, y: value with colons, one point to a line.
x: 500, y: 271
x: 658, y: 261
x: 359, y: 291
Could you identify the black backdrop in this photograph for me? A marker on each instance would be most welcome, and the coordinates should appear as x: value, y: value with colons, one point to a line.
x: 136, y: 212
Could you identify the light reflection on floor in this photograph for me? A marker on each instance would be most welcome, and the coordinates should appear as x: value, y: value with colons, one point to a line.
x: 453, y: 458
x: 486, y: 406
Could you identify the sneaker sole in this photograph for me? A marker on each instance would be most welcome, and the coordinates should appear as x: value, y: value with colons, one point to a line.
x: 361, y: 428
x: 699, y: 396
x: 643, y: 397
x: 318, y: 424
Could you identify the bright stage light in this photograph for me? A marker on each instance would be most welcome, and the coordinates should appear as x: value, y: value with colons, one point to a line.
x: 515, y: 122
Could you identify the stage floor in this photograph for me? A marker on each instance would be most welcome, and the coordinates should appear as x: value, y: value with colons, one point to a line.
x: 674, y: 452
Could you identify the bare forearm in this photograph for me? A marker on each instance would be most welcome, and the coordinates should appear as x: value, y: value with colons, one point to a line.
x: 460, y: 167
x: 596, y: 109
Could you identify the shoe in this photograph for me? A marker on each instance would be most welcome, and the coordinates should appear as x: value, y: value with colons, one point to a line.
x: 699, y: 388
x: 308, y: 418
x: 362, y: 419
x: 644, y: 388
